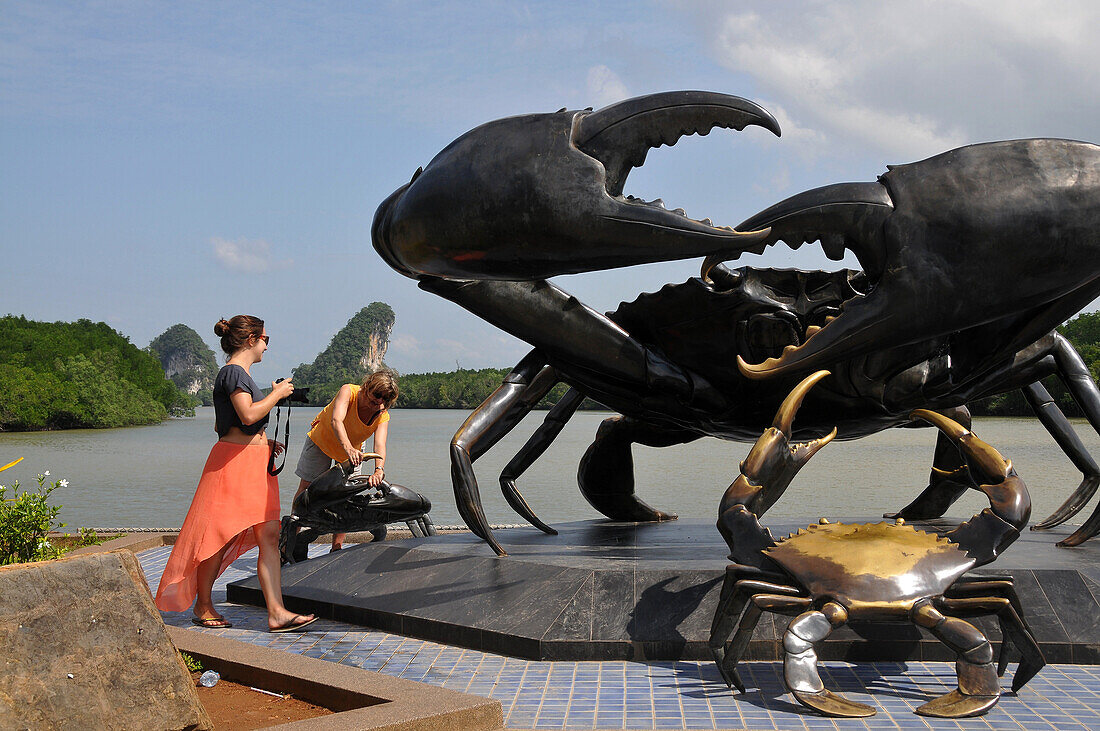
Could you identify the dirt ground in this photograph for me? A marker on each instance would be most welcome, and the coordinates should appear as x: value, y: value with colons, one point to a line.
x: 234, y: 707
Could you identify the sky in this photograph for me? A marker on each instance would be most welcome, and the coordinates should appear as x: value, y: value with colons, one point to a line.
x: 173, y: 163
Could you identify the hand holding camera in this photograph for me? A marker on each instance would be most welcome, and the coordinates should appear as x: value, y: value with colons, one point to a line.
x: 287, y: 394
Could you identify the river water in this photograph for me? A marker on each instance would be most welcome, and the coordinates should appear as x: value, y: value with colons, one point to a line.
x: 145, y: 476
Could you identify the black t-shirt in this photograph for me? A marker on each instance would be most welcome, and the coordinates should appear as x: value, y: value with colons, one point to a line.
x: 232, y: 378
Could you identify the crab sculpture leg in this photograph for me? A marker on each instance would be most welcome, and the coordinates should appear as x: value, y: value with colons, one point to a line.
x: 825, y: 577
x: 1051, y: 355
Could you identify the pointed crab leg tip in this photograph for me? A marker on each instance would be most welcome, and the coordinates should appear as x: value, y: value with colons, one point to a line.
x: 755, y: 371
x: 784, y: 417
x: 742, y: 237
x: 708, y: 266
x: 950, y: 427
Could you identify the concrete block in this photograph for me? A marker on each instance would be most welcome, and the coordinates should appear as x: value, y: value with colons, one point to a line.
x: 83, y: 647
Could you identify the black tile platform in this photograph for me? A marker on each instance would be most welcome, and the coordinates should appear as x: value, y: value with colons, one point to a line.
x: 624, y: 591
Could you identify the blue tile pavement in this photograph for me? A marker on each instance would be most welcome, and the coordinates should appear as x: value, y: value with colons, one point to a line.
x: 655, y: 695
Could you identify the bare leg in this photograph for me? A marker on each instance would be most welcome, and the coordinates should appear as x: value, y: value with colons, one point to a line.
x: 207, y: 573
x: 269, y: 569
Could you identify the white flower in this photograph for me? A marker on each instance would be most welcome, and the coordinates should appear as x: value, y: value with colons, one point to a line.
x: 46, y: 473
x: 45, y: 544
x: 63, y: 483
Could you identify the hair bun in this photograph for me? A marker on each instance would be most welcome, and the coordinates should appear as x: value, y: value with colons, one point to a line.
x: 221, y: 327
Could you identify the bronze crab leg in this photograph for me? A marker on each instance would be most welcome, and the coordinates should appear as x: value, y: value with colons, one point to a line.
x: 1042, y: 403
x: 977, y: 691
x: 734, y: 607
x: 1075, y: 375
x: 800, y: 659
x: 528, y: 382
x: 543, y: 437
x: 606, y: 471
x: 1014, y: 631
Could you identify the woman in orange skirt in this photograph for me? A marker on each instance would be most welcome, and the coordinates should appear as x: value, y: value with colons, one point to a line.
x: 236, y: 505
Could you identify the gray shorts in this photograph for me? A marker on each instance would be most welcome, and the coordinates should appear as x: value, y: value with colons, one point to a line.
x: 313, y: 463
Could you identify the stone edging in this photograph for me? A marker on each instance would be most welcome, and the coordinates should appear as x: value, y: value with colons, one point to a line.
x: 364, y: 699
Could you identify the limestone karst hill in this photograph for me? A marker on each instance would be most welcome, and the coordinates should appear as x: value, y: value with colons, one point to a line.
x: 187, y: 361
x: 357, y: 349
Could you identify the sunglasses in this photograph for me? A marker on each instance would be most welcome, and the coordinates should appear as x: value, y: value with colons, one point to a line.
x: 266, y: 339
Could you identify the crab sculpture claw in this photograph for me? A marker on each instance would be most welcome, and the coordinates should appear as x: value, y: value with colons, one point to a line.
x: 774, y: 460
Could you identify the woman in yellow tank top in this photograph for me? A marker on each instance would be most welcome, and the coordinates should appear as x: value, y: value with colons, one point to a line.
x: 343, y: 426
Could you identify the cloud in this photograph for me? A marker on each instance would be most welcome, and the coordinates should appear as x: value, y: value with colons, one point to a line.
x: 914, y: 79
x: 245, y: 255
x: 605, y: 87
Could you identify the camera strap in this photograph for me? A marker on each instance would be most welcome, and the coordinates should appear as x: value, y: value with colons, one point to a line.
x: 271, y: 468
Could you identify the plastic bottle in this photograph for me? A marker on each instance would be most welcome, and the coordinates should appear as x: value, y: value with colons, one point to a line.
x: 209, y: 679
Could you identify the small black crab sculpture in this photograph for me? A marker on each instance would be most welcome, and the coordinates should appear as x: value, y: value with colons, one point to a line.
x: 828, y: 574
x: 338, y: 503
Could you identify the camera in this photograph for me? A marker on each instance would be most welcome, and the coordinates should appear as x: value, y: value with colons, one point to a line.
x: 299, y: 396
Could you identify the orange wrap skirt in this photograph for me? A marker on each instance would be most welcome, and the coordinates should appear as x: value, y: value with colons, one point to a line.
x: 235, y: 493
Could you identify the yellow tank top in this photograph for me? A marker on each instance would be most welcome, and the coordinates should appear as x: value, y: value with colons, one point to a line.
x: 324, y: 436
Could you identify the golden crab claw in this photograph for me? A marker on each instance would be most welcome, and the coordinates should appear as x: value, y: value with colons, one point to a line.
x: 773, y: 460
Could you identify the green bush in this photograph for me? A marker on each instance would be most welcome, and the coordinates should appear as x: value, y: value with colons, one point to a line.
x: 26, y: 517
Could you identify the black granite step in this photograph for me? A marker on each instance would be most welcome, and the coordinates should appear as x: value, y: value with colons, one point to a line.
x: 624, y: 591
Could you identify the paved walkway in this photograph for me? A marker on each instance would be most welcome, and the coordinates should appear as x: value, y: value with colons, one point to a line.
x: 656, y: 695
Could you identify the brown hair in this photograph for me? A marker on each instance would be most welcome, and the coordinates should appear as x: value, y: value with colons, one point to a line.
x: 382, y: 384
x: 235, y: 331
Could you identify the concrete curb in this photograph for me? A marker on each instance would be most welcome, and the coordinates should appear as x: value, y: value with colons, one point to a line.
x: 364, y: 699
x: 133, y: 542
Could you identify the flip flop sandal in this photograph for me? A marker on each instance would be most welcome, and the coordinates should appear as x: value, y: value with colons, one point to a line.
x: 211, y: 622
x: 292, y: 627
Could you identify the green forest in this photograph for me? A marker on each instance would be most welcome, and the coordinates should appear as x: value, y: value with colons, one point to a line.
x: 464, y: 389
x: 83, y: 374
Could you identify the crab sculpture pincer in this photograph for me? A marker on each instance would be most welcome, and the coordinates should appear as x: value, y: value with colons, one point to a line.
x: 831, y: 573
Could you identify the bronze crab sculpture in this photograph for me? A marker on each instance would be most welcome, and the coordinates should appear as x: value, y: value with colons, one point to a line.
x: 831, y: 573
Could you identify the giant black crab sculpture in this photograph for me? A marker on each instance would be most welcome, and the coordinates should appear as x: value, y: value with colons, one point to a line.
x: 830, y: 573
x: 970, y: 259
x: 339, y: 502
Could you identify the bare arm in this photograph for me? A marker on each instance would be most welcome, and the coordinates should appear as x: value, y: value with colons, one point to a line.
x: 339, y: 410
x: 379, y: 448
x: 252, y: 411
